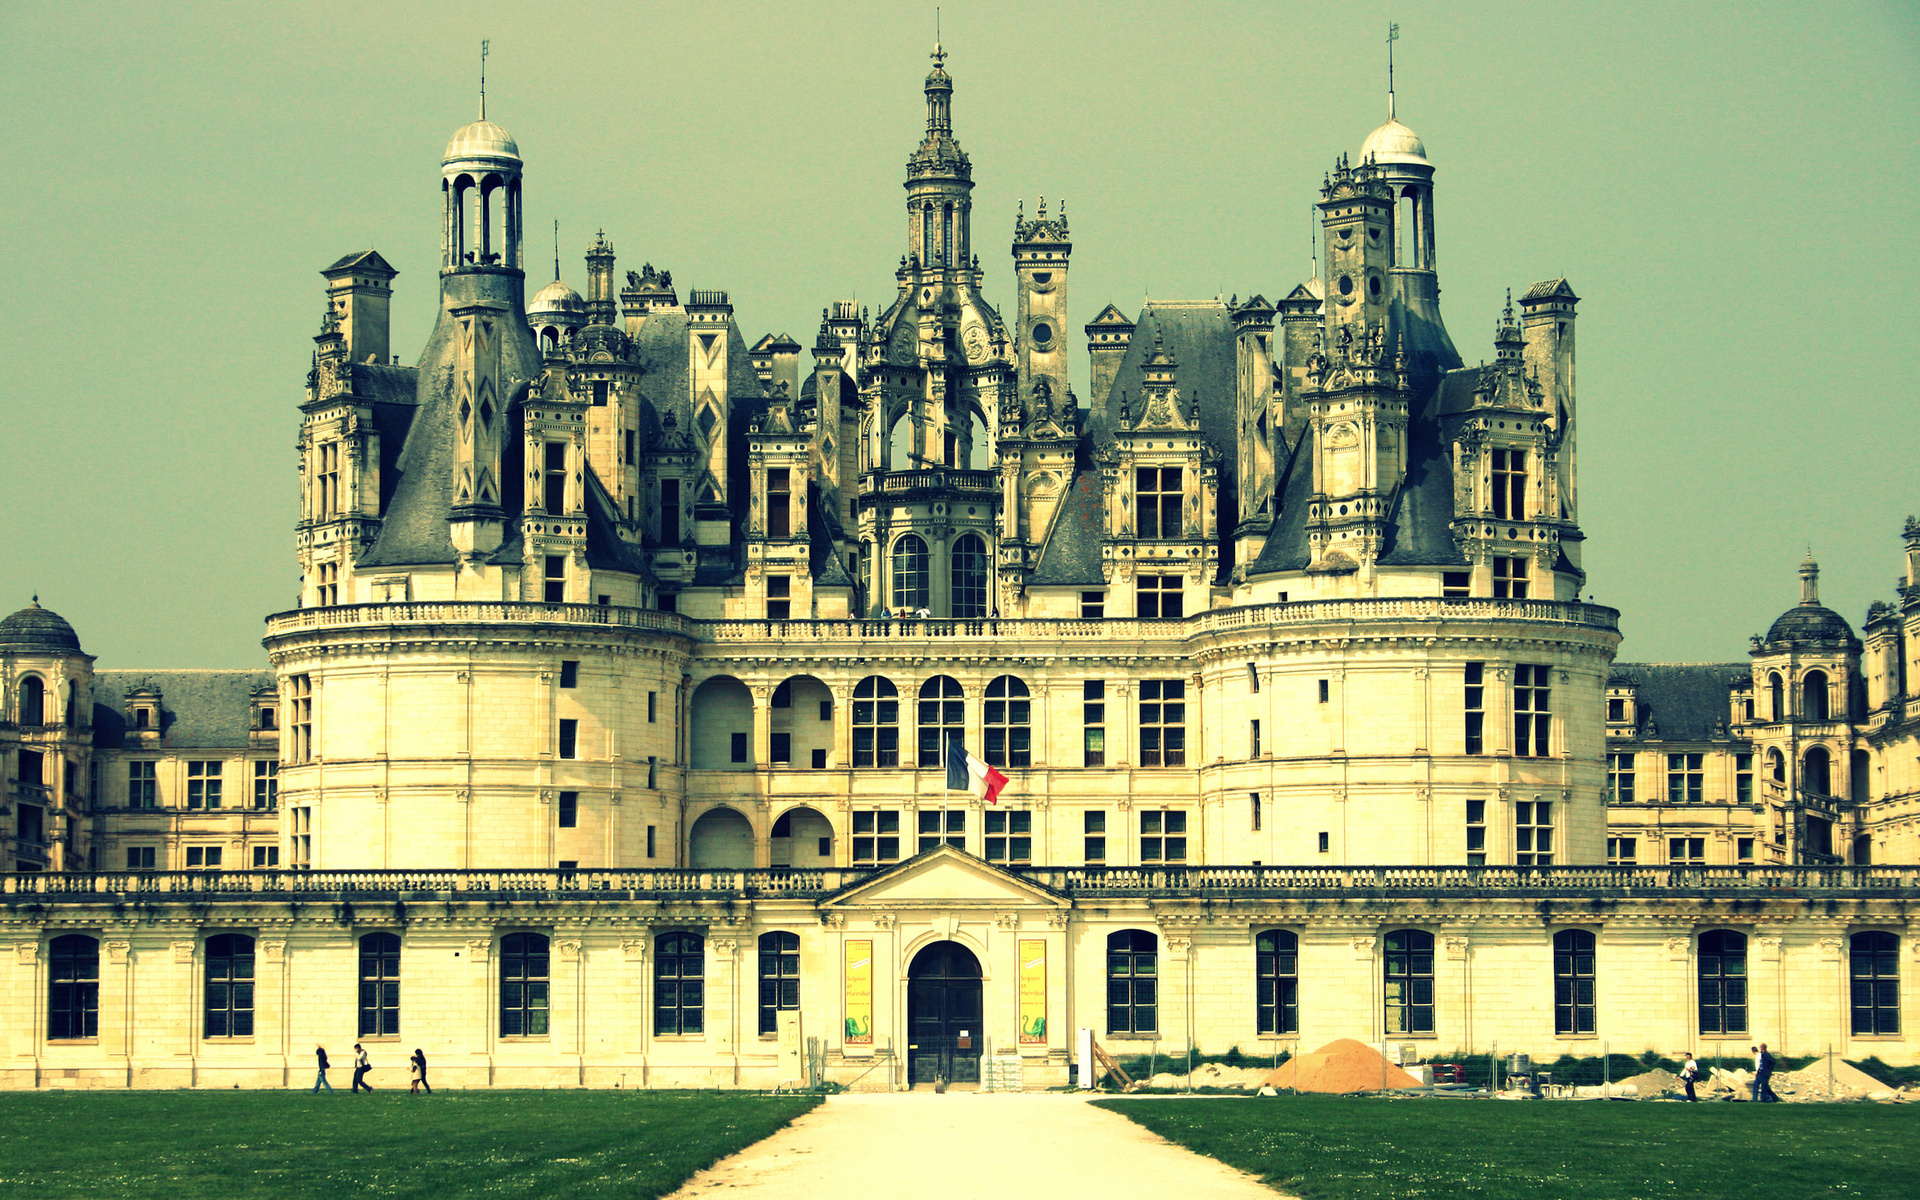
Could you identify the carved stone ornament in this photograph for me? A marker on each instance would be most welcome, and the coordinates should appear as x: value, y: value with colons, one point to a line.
x: 1456, y: 947
x: 834, y: 920
x: 26, y: 952
x: 885, y: 920
x: 633, y: 949
x: 182, y: 952
x: 1362, y: 946
x: 477, y: 948
x: 725, y: 946
x: 1829, y: 948
x: 462, y: 795
x: 117, y: 952
x: 273, y: 951
x: 1179, y: 945
x: 1007, y: 920
x: 569, y: 950
x: 1677, y: 947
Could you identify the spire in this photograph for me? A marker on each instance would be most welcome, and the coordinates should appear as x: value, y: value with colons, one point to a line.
x: 1809, y: 580
x: 483, y: 78
x: 556, y: 249
x: 1393, y: 35
x: 939, y: 96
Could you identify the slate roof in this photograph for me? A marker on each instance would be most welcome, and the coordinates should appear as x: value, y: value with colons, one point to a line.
x: 36, y: 630
x: 1682, y: 702
x: 1071, y: 555
x: 199, y: 710
x: 368, y: 260
x: 1811, y: 623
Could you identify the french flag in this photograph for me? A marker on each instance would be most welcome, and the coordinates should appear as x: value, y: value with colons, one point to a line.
x: 965, y: 773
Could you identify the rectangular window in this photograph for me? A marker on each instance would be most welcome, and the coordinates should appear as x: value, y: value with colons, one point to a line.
x: 1620, y: 778
x: 779, y: 593
x: 265, y: 857
x: 650, y: 841
x: 203, y: 784
x: 1532, y: 711
x: 553, y: 481
x: 1743, y: 779
x: 266, y: 784
x: 1253, y: 803
x: 1456, y: 584
x: 569, y: 673
x: 779, y: 978
x: 1253, y: 739
x: 1009, y: 837
x: 780, y: 748
x: 739, y: 747
x: 31, y: 826
x: 876, y: 836
x: 1326, y: 691
x: 1533, y: 833
x: 1163, y: 837
x: 1687, y: 852
x: 669, y: 512
x: 1616, y: 711
x: 139, y: 858
x: 569, y: 738
x: 653, y: 771
x: 1476, y: 833
x: 569, y: 810
x: 599, y: 393
x: 1326, y: 842
x: 943, y: 825
x: 1510, y: 579
x: 1743, y: 850
x: 1093, y: 714
x: 779, y: 503
x: 301, y: 845
x: 626, y: 459
x: 1157, y: 496
x: 207, y: 857
x: 300, y: 694
x: 1159, y: 597
x: 1093, y: 606
x: 1093, y: 825
x: 267, y: 718
x: 1476, y: 704
x: 142, y: 787
x: 653, y: 707
x: 1163, y: 723
x: 1510, y: 485
x: 556, y: 579
x: 1622, y: 851
x: 1686, y: 780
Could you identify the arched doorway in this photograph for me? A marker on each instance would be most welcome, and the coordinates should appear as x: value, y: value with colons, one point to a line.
x: 944, y: 1038
x: 722, y: 839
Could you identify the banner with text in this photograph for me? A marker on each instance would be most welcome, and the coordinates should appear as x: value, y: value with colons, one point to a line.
x: 859, y: 993
x: 1033, y: 992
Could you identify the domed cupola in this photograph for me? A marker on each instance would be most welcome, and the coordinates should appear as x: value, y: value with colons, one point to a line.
x: 555, y: 311
x: 1394, y: 143
x: 36, y: 630
x: 482, y: 140
x: 1808, y: 623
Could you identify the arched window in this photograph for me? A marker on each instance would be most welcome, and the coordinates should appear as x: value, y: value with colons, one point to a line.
x: 73, y: 988
x: 1133, y: 995
x: 970, y: 577
x: 523, y: 985
x: 1408, y: 965
x: 1876, y: 983
x: 1276, y: 968
x: 1777, y: 764
x: 1573, y: 981
x: 33, y: 701
x: 779, y: 977
x: 1776, y: 697
x: 380, y: 985
x: 1816, y: 772
x: 229, y: 986
x: 1813, y: 697
x: 679, y: 984
x: 909, y: 575
x: 1009, y: 715
x: 876, y: 723
x: 1723, y: 982
x: 942, y: 716
x: 73, y: 703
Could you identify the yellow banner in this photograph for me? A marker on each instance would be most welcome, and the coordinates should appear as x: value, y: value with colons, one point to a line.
x: 1033, y: 993
x: 859, y: 993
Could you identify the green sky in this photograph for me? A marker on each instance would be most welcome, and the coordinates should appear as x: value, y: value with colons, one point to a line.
x: 1725, y: 185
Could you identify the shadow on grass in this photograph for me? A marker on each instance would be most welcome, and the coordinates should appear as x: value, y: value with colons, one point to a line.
x: 128, y: 1145
x: 1349, y: 1148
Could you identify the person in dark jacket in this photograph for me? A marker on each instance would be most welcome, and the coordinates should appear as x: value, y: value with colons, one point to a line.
x: 361, y: 1065
x: 419, y: 1061
x: 320, y: 1052
x: 1762, y: 1075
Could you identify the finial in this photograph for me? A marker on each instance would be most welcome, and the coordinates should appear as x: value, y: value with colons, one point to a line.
x: 556, y: 249
x: 1393, y: 35
x: 1509, y: 312
x: 36, y: 599
x: 483, y: 78
x: 1809, y: 580
x: 939, y: 56
x: 1042, y: 214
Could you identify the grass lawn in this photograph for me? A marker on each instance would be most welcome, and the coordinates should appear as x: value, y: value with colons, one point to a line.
x: 1346, y: 1148
x: 128, y: 1145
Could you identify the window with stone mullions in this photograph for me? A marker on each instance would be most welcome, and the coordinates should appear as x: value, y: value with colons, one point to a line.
x: 1532, y: 711
x: 1620, y: 778
x: 1722, y: 982
x: 1686, y: 778
x: 1277, y: 977
x: 1163, y: 837
x: 553, y: 483
x: 876, y: 723
x: 1510, y: 485
x: 969, y: 577
x: 1009, y: 836
x: 1533, y: 833
x: 779, y: 978
x: 203, y: 784
x: 1875, y: 969
x: 1622, y: 851
x: 1133, y: 984
x: 1476, y: 833
x: 1573, y: 982
x: 1158, y: 494
x: 229, y: 992
x: 1475, y: 701
x: 380, y: 985
x: 1509, y: 578
x: 524, y: 985
x: 876, y: 836
x: 73, y: 988
x: 939, y: 826
x: 1093, y: 713
x: 1159, y: 598
x: 266, y: 783
x: 1163, y: 723
x: 1008, y: 718
x: 679, y: 984
x: 942, y: 716
x: 142, y: 785
x: 779, y: 503
x: 1408, y: 967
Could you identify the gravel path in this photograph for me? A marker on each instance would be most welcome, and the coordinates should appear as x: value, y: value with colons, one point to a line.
x: 969, y: 1146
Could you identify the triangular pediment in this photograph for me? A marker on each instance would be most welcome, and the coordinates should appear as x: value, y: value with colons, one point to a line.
x: 1110, y: 316
x: 946, y: 877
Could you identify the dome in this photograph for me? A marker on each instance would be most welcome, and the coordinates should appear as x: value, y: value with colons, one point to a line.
x: 1810, y: 623
x: 557, y: 299
x: 1394, y: 143
x: 482, y: 139
x: 38, y: 630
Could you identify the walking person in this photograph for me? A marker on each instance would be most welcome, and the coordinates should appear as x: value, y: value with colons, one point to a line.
x: 320, y: 1052
x: 361, y: 1065
x: 1762, y: 1074
x: 1688, y: 1074
x: 419, y: 1061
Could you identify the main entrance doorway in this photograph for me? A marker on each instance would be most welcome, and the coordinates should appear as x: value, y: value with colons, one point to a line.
x: 944, y: 1038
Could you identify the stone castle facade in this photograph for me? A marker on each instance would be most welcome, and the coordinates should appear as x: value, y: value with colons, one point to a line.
x: 609, y: 738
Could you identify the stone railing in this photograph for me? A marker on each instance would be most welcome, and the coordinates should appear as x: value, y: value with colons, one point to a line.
x: 1760, y: 882
x: 1257, y: 616
x: 944, y: 478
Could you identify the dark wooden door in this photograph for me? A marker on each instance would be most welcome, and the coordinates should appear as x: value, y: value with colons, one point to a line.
x: 944, y: 1038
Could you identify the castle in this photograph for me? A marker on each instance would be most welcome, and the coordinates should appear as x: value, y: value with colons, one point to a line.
x: 611, y: 736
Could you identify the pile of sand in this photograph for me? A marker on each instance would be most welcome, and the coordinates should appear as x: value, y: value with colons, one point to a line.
x: 1212, y: 1075
x: 1810, y: 1083
x: 1653, y: 1083
x: 1340, y: 1066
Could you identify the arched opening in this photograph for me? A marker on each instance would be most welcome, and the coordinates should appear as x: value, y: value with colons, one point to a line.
x: 1776, y: 765
x: 942, y: 715
x: 1858, y: 767
x: 73, y: 703
x: 1776, y: 698
x: 911, y: 568
x: 899, y: 446
x: 944, y: 1013
x: 722, y: 719
x: 549, y: 339
x: 722, y: 840
x: 946, y: 234
x: 801, y: 717
x: 977, y: 444
x: 969, y: 577
x: 33, y: 701
x: 1405, y: 238
x: 802, y: 837
x: 1816, y: 772
x: 489, y: 214
x: 1813, y: 697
